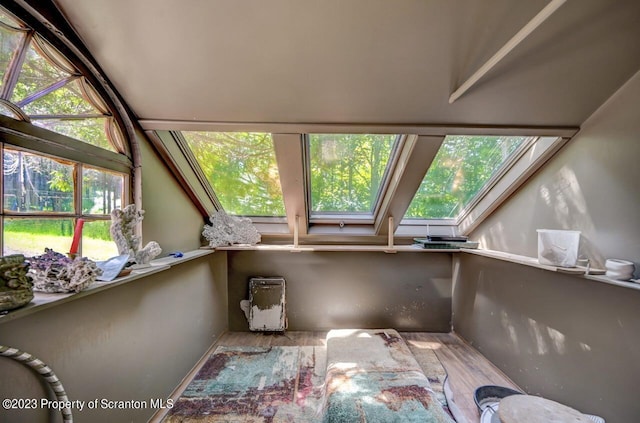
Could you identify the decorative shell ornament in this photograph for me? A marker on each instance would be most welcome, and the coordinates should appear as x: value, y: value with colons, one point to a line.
x: 123, y: 226
x: 229, y: 230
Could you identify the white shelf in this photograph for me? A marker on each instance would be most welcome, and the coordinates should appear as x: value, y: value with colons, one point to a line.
x: 533, y: 262
x: 321, y: 247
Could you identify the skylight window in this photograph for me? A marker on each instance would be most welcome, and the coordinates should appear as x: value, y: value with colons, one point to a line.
x: 347, y: 171
x: 241, y: 168
x: 460, y: 171
x: 354, y: 187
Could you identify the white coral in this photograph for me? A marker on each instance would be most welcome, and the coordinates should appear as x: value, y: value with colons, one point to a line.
x: 229, y: 230
x: 123, y: 225
x: 73, y: 276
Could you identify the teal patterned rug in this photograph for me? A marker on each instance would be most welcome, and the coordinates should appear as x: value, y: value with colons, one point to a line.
x: 275, y: 384
x: 255, y: 384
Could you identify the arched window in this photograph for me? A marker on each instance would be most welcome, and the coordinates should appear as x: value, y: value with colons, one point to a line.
x: 64, y: 156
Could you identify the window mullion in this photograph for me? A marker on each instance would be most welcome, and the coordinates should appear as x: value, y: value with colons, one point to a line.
x: 291, y: 168
x: 394, y: 159
x: 196, y: 168
x: 47, y: 90
x: 414, y: 160
x: 77, y: 188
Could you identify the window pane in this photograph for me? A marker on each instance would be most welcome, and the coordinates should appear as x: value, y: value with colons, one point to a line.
x: 36, y: 74
x: 463, y: 165
x: 347, y: 170
x: 36, y: 184
x: 31, y: 236
x: 101, y: 191
x: 9, y: 42
x: 96, y: 240
x: 241, y: 167
x: 91, y: 131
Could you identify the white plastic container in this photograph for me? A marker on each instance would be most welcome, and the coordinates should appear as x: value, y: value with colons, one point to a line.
x: 558, y: 247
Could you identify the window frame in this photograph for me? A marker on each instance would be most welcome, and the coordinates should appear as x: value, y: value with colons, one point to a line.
x: 116, y: 125
x: 511, y: 175
x: 77, y: 169
x: 413, y: 158
x: 18, y: 132
x: 484, y: 189
x: 350, y: 218
x: 193, y: 163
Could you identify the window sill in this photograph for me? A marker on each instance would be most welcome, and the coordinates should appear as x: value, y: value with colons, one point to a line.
x: 333, y: 247
x: 533, y: 262
x: 42, y: 301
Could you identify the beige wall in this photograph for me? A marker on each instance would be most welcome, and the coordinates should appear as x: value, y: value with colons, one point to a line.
x: 565, y: 337
x: 170, y: 216
x: 592, y: 185
x: 135, y: 341
x: 328, y: 290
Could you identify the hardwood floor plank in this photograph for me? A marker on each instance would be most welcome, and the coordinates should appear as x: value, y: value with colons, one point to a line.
x: 466, y: 368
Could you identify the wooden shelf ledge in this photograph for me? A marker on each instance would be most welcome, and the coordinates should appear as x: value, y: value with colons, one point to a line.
x: 579, y: 271
x: 42, y: 300
x: 322, y: 247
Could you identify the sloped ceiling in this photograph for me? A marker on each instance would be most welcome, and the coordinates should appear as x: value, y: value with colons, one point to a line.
x: 359, y: 61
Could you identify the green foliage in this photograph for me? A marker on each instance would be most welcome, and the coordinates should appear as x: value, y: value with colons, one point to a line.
x: 241, y: 167
x: 347, y: 170
x: 9, y: 41
x: 98, y: 229
x: 461, y: 168
x: 61, y: 227
x: 33, y: 243
x: 61, y: 180
x: 35, y: 183
x: 88, y: 130
x: 102, y: 191
x: 36, y: 74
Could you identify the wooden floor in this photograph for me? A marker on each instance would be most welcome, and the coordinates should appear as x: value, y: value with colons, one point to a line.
x: 466, y: 367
